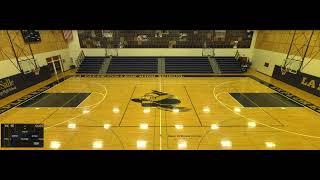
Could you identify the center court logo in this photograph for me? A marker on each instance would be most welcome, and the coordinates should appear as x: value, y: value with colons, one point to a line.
x: 161, y: 100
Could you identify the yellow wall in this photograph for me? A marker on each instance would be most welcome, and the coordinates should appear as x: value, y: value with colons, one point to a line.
x: 272, y: 47
x: 51, y: 40
x: 280, y: 40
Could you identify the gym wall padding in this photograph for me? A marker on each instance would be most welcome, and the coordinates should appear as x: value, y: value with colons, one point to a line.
x: 302, y: 81
x: 18, y: 82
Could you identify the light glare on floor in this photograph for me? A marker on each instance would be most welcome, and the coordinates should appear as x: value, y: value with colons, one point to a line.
x: 72, y: 126
x: 143, y: 126
x: 283, y: 108
x: 116, y: 110
x: 85, y: 111
x: 55, y: 144
x: 252, y: 124
x: 236, y: 109
x: 182, y: 144
x: 206, y: 109
x: 97, y: 144
x: 141, y: 144
x: 178, y: 126
x: 226, y: 143
x: 270, y: 144
x: 176, y: 110
x: 214, y: 126
x: 147, y: 110
x: 106, y: 126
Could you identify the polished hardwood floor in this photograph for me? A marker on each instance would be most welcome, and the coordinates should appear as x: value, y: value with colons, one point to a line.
x: 207, y: 117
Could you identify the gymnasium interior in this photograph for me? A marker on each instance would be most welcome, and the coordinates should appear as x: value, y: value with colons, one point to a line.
x: 160, y: 89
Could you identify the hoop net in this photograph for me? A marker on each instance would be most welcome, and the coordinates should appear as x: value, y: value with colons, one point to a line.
x: 36, y: 71
x: 284, y: 70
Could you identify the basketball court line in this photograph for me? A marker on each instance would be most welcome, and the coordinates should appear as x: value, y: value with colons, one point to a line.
x: 280, y: 99
x: 79, y: 115
x: 64, y: 79
x: 288, y: 95
x: 250, y: 76
x: 264, y: 110
x: 290, y: 132
x: 160, y: 84
x: 37, y: 101
x: 228, y: 93
x: 91, y: 93
x: 134, y: 89
x: 49, y: 86
x: 58, y: 109
x: 195, y: 111
x: 163, y: 126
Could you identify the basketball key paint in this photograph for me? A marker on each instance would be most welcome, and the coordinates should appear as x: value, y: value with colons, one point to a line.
x: 311, y: 83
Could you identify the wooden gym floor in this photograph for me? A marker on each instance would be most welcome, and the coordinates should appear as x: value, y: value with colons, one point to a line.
x: 209, y: 116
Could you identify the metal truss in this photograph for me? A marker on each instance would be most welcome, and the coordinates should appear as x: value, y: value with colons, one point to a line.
x: 312, y: 53
x: 21, y: 49
x: 297, y: 52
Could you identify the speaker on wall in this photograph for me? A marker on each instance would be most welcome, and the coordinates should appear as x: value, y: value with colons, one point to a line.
x: 30, y: 36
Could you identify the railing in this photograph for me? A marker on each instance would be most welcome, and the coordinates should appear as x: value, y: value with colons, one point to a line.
x: 209, y: 52
x: 237, y: 55
x: 109, y: 52
x: 80, y: 58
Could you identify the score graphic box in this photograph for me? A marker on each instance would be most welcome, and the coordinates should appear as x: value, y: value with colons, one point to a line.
x: 22, y: 135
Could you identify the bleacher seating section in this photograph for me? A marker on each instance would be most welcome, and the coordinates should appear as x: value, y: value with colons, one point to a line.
x: 133, y: 65
x: 187, y: 65
x: 144, y: 65
x: 228, y: 65
x: 91, y: 65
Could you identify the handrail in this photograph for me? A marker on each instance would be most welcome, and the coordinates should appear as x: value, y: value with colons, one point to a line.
x: 80, y: 58
x: 237, y: 55
x: 211, y: 55
x: 107, y: 53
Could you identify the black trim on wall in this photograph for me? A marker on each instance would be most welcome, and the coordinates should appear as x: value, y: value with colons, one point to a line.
x: 300, y: 80
x: 18, y: 82
x: 31, y: 95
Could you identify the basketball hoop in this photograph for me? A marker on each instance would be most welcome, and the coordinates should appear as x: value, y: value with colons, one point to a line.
x: 36, y: 71
x: 284, y: 70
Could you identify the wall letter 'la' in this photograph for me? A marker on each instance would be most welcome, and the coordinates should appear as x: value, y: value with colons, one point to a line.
x: 312, y: 84
x: 304, y: 81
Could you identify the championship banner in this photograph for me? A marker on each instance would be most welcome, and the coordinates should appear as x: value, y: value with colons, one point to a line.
x: 67, y: 34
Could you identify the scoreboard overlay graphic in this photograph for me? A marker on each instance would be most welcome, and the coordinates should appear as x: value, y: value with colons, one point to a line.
x: 22, y: 135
